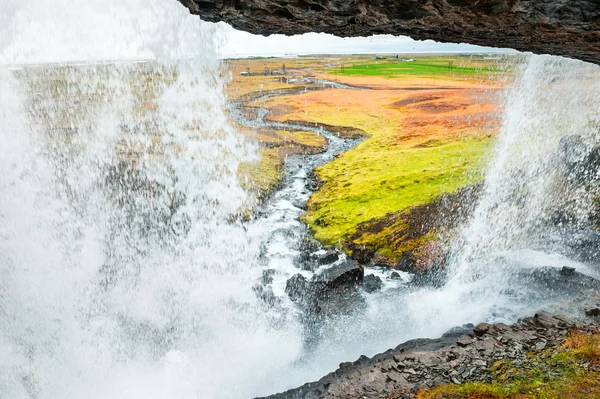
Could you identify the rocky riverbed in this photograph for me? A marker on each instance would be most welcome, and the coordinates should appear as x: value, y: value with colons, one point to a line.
x: 330, y: 292
x: 464, y: 354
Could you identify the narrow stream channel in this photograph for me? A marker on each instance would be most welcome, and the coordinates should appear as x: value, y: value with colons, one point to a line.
x: 281, y: 212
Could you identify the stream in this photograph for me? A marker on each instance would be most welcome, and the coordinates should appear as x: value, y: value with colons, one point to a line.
x: 283, y: 249
x: 510, y: 288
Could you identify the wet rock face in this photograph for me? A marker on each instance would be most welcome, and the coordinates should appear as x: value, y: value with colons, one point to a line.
x: 335, y: 290
x: 581, y: 163
x: 463, y: 354
x: 567, y: 28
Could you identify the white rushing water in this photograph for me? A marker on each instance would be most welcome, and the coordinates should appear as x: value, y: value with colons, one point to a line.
x: 125, y: 271
x: 511, y: 233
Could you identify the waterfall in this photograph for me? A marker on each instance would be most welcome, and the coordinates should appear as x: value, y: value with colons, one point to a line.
x: 126, y: 270
x: 512, y: 231
x: 126, y: 266
x: 552, y: 101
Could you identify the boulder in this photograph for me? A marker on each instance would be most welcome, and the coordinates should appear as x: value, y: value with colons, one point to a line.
x: 297, y: 287
x: 372, y: 283
x: 326, y: 258
x: 305, y: 260
x: 595, y: 312
x: 407, y: 262
x: 362, y: 254
x: 332, y: 291
x: 347, y: 273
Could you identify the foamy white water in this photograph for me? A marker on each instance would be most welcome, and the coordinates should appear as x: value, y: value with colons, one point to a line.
x: 124, y: 271
x: 508, y: 236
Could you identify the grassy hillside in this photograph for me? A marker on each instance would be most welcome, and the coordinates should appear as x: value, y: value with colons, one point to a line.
x: 428, y: 135
x: 429, y: 122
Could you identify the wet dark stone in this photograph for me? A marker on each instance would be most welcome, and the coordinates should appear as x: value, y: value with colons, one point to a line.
x: 328, y: 257
x: 308, y: 246
x: 267, y: 276
x: 266, y: 294
x: 297, y: 287
x: 581, y: 162
x: 407, y: 262
x: 348, y: 272
x: 584, y: 243
x: 593, y: 312
x: 362, y: 254
x: 372, y: 283
x: 395, y: 276
x: 335, y: 290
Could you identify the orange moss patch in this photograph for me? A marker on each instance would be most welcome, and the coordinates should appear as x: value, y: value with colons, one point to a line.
x: 584, y: 347
x: 571, y: 372
x: 422, y: 142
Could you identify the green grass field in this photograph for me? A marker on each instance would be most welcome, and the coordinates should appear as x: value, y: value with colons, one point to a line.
x: 423, y: 142
x: 371, y: 181
x: 442, y: 66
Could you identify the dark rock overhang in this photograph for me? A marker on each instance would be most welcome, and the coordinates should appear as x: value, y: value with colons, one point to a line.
x: 568, y: 28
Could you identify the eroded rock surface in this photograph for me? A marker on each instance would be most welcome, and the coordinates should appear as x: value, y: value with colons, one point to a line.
x: 567, y: 28
x: 464, y: 354
x: 335, y: 290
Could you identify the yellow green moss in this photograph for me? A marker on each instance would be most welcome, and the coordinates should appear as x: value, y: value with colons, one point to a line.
x: 375, y: 179
x: 262, y: 176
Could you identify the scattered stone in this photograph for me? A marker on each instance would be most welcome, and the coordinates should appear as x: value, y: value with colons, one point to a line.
x: 464, y: 340
x: 481, y: 329
x: 395, y: 276
x: 540, y: 346
x: 372, y: 283
x: 407, y: 262
x: 567, y: 271
x: 362, y: 254
x: 426, y: 363
x: 593, y: 312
